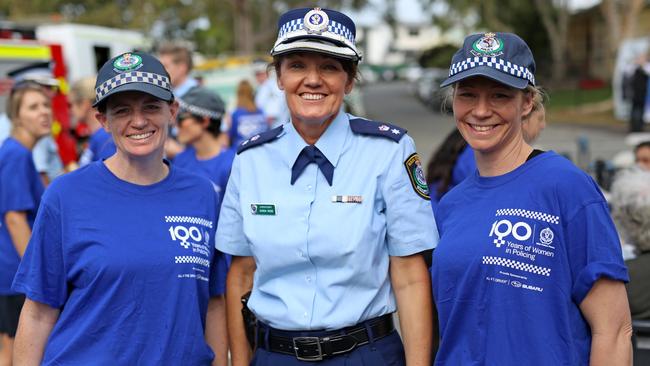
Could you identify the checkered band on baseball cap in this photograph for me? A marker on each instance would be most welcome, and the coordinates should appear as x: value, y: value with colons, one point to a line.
x: 318, y: 30
x: 132, y: 77
x: 502, y: 57
x: 133, y: 71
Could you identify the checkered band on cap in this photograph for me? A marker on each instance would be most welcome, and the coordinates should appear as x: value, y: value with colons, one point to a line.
x: 495, y: 63
x: 199, y: 111
x: 335, y: 30
x: 131, y: 77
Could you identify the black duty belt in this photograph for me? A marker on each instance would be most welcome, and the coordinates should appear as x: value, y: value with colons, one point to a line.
x: 319, y: 347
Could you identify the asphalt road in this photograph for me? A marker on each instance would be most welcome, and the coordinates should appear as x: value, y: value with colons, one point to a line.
x: 395, y: 103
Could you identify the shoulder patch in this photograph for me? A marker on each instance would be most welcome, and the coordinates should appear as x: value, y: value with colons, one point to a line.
x: 366, y: 127
x: 416, y: 176
x: 259, y: 139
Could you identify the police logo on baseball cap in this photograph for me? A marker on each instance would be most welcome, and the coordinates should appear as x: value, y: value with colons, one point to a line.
x: 133, y: 71
x: 317, y: 30
x: 127, y: 62
x: 489, y: 44
x: 502, y: 57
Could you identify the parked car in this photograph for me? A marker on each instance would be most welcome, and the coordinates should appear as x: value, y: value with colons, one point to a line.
x: 427, y: 89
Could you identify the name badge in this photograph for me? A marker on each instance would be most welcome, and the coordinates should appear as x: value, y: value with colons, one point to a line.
x: 347, y: 199
x: 263, y: 209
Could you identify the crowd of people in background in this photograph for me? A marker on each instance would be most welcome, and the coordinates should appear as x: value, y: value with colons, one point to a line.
x: 279, y: 179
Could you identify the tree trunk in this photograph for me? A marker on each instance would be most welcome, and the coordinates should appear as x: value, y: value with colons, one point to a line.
x: 556, y: 27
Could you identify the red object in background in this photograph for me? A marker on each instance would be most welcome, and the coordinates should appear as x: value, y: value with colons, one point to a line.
x: 65, y: 141
x: 589, y: 84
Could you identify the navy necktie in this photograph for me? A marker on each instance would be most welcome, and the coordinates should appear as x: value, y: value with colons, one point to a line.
x: 311, y: 154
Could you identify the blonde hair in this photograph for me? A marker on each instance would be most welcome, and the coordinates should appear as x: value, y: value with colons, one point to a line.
x: 17, y: 95
x: 83, y: 88
x: 245, y: 97
x: 540, y: 97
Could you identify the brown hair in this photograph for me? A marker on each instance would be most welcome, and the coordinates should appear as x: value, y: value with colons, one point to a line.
x: 181, y: 52
x: 17, y: 95
x: 245, y: 97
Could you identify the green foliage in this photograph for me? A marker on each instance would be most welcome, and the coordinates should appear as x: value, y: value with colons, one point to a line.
x: 439, y: 57
x: 567, y: 98
x: 173, y: 18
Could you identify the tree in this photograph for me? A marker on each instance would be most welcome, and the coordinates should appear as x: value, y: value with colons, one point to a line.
x: 555, y: 17
x: 622, y: 20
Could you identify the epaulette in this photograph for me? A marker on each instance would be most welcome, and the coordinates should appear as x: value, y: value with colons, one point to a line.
x: 366, y: 127
x: 260, y: 139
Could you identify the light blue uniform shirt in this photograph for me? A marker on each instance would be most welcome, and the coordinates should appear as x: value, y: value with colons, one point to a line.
x: 324, y: 264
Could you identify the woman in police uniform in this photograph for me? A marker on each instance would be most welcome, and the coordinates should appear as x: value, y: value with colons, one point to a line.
x: 326, y: 217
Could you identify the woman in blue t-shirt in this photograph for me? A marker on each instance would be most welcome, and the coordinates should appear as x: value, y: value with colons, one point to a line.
x: 246, y: 120
x: 199, y: 129
x: 121, y: 266
x: 20, y: 193
x: 529, y: 269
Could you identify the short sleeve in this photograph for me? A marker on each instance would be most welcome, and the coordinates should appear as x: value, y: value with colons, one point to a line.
x: 41, y: 275
x: 230, y: 236
x: 594, y: 250
x: 16, y: 194
x: 411, y: 227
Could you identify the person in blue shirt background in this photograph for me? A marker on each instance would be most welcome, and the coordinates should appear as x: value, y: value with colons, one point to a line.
x: 327, y: 218
x: 247, y: 119
x: 21, y: 187
x: 199, y: 129
x: 529, y: 269
x: 100, y: 143
x: 121, y: 266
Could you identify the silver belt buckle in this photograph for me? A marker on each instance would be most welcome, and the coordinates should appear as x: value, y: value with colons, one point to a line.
x: 306, y: 341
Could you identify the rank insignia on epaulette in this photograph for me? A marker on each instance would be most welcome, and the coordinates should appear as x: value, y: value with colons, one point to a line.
x: 379, y: 129
x: 416, y: 176
x: 260, y: 139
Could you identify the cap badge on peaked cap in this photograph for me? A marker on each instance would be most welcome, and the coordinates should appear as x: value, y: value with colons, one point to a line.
x: 316, y: 21
x: 488, y: 45
x: 127, y: 62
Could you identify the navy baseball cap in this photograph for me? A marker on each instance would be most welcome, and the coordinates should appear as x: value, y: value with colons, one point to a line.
x: 502, y: 57
x: 201, y: 102
x: 133, y: 71
x: 318, y: 30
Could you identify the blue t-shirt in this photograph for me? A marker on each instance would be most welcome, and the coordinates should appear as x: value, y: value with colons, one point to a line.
x: 131, y: 267
x: 21, y: 189
x: 245, y: 124
x: 217, y: 169
x: 517, y: 255
x: 100, y: 147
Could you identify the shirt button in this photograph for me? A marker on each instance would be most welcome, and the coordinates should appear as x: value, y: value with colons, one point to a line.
x: 305, y: 314
x: 301, y: 254
x: 309, y: 187
x: 308, y: 278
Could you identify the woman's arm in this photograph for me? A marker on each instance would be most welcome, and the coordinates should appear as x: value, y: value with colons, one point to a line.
x: 36, y: 323
x: 239, y: 282
x: 607, y: 311
x: 216, y: 332
x: 412, y: 286
x: 19, y: 230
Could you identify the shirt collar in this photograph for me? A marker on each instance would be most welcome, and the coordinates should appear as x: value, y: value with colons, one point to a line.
x: 330, y: 143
